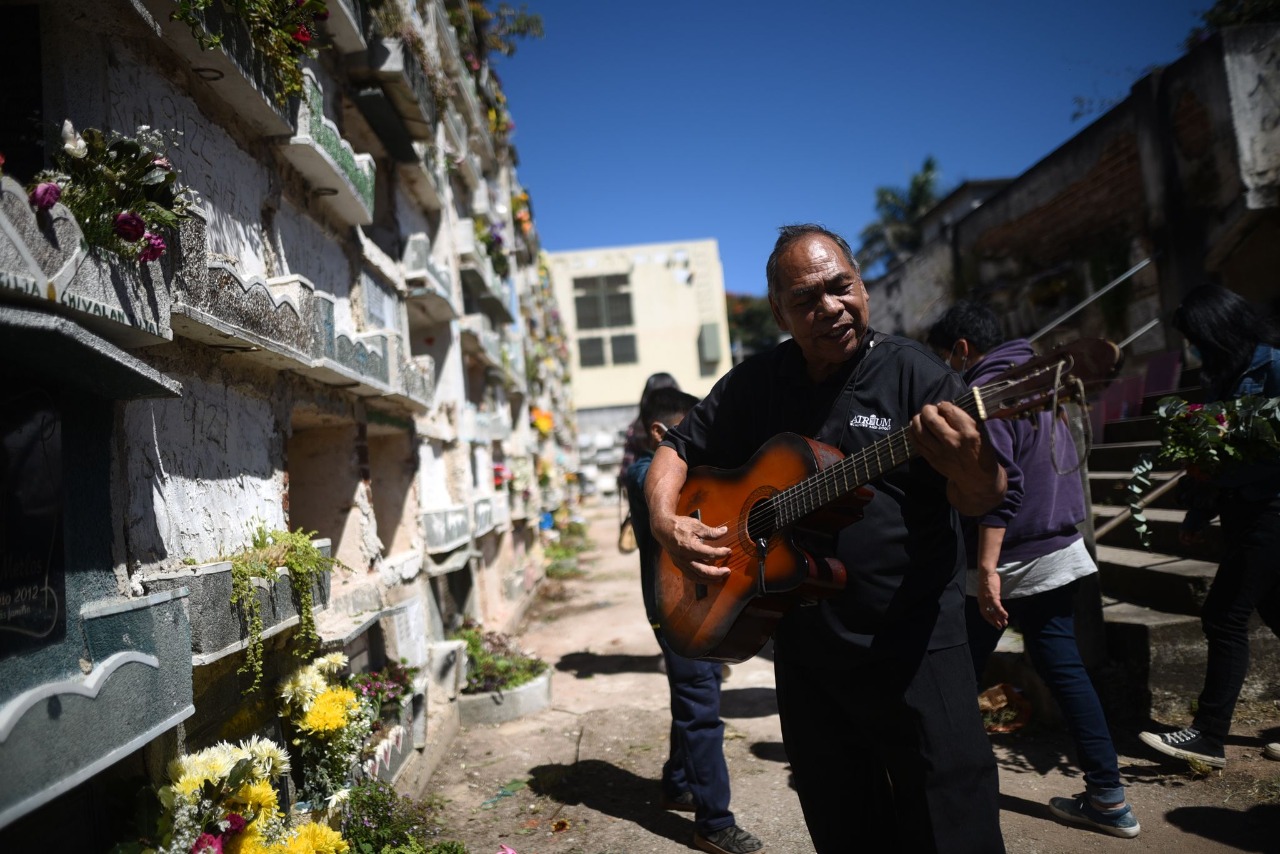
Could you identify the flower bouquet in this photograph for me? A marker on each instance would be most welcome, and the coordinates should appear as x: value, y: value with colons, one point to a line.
x: 330, y: 723
x: 123, y: 191
x: 1207, y: 439
x: 221, y: 801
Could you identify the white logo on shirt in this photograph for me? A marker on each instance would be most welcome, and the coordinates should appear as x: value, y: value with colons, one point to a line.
x: 873, y: 422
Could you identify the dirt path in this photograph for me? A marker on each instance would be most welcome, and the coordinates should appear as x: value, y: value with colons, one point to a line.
x: 581, y: 777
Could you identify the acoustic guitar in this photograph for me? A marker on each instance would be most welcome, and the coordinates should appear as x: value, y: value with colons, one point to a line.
x: 795, y: 487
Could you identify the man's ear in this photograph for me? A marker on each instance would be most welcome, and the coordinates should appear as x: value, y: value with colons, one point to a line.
x: 962, y: 349
x: 777, y: 315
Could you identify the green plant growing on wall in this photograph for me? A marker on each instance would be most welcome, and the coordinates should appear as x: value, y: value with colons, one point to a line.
x: 281, y: 31
x: 268, y: 551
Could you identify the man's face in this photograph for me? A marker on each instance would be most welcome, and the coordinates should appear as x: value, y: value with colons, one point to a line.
x: 821, y: 302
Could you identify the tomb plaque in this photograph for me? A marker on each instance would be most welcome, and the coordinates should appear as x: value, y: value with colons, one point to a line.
x: 32, y: 571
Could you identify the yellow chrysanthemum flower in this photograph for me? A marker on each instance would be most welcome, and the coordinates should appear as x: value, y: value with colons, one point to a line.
x: 258, y: 798
x: 249, y: 841
x: 317, y: 838
x: 330, y: 712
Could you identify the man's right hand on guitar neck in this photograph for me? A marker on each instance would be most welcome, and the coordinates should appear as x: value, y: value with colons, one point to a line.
x: 684, y: 538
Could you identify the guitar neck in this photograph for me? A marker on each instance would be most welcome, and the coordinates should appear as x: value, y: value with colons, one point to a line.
x: 858, y: 469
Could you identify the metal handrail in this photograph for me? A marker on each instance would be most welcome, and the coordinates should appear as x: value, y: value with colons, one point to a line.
x: 1089, y: 299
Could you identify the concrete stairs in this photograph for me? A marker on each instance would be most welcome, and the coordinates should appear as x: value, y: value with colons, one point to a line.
x: 1151, y: 599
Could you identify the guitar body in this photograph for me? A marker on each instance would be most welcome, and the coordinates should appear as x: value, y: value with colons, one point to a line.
x: 732, y: 621
x: 796, y: 493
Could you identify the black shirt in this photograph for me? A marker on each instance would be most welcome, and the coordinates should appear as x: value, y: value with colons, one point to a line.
x: 905, y: 558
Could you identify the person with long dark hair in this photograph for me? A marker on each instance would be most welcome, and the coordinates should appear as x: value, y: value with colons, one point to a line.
x: 1241, y: 356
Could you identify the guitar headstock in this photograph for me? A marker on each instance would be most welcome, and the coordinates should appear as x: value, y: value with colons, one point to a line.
x: 1064, y: 373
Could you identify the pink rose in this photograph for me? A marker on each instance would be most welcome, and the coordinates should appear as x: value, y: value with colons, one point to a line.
x: 129, y: 227
x: 235, y: 822
x: 1195, y: 407
x: 154, y: 249
x: 163, y: 163
x: 45, y: 195
x: 302, y: 34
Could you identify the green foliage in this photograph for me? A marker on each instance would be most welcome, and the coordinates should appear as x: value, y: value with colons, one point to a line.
x: 1230, y: 13
x: 378, y: 820
x: 281, y: 31
x: 1206, y: 439
x: 896, y: 232
x: 448, y: 847
x: 751, y: 322
x: 495, y: 662
x: 103, y: 175
x: 268, y: 551
x: 497, y: 29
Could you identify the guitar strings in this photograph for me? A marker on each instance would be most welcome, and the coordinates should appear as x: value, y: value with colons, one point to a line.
x: 794, y: 503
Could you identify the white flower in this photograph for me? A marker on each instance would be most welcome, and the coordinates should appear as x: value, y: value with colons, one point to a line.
x: 332, y: 663
x: 338, y: 797
x: 72, y: 142
x: 269, y: 758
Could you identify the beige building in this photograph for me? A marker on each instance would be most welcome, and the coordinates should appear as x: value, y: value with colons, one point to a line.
x: 630, y: 312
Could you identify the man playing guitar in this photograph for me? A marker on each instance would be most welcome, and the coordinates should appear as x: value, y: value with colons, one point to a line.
x: 875, y: 687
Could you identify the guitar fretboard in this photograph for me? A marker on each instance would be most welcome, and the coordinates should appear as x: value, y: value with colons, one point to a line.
x: 836, y: 481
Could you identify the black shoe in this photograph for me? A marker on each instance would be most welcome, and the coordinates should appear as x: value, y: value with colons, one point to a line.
x: 1187, y: 743
x: 682, y: 802
x: 728, y: 840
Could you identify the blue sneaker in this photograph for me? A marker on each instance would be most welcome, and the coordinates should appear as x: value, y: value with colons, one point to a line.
x: 1118, y: 822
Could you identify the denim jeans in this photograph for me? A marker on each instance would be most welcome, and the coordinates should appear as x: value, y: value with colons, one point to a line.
x: 1047, y: 624
x: 1248, y: 578
x: 696, y: 762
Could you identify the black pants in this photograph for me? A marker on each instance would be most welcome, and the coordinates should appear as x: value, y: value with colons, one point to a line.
x: 891, y: 755
x: 1248, y: 579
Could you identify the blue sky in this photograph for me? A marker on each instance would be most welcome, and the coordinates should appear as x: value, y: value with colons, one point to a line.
x: 689, y: 119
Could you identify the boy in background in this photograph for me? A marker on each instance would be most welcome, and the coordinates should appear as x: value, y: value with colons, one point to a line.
x: 695, y: 777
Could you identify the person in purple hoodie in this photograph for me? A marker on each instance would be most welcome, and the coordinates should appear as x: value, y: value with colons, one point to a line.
x: 1025, y: 558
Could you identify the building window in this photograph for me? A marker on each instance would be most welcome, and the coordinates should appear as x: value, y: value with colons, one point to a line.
x: 603, y: 303
x: 624, y: 349
x: 591, y: 352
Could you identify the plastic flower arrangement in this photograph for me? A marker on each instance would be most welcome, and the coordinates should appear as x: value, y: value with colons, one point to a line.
x: 330, y: 723
x: 282, y: 31
x: 123, y: 191
x: 1207, y: 439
